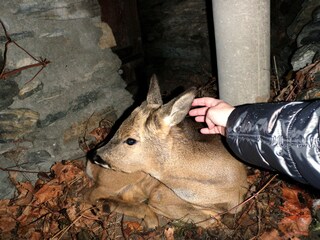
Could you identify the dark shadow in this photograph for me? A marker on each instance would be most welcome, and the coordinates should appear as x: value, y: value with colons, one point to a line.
x: 212, y: 41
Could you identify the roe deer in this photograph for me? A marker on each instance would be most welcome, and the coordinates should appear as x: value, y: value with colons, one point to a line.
x: 158, y: 139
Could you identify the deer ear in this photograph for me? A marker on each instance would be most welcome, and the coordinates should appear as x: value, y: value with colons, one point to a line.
x: 175, y: 111
x: 154, y: 95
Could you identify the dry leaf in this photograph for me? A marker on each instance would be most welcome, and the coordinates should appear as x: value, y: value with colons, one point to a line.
x: 7, y: 216
x: 26, y: 192
x: 272, y: 235
x: 36, y: 236
x: 100, y: 133
x: 298, y: 218
x: 49, y: 191
x: 65, y: 173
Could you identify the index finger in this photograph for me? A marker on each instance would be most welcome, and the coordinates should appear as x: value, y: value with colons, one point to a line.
x: 205, y: 101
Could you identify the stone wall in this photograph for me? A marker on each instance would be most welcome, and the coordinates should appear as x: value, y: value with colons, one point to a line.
x: 42, y: 120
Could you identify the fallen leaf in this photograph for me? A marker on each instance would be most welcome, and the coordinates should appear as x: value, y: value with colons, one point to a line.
x: 26, y: 192
x: 273, y: 234
x: 66, y: 172
x: 7, y: 216
x: 100, y: 133
x: 36, y: 236
x: 130, y: 227
x: 298, y: 218
x: 49, y: 191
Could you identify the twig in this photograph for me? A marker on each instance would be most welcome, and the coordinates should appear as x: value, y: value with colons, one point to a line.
x: 44, y: 63
x: 291, y: 93
x: 253, y: 196
x: 277, y: 75
x: 25, y: 51
x: 85, y: 134
x: 121, y: 226
x: 63, y: 231
x: 242, y: 203
x: 5, y: 48
x: 3, y: 74
x: 19, y: 170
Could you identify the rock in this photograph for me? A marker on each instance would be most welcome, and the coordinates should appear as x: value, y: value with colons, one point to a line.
x: 51, y: 118
x: 84, y: 100
x: 59, y: 10
x: 308, y: 40
x: 302, y: 18
x: 304, y: 56
x: 310, y: 33
x: 83, y: 128
x: 107, y: 39
x: 313, y: 93
x: 30, y: 88
x: 37, y: 157
x: 17, y: 36
x: 7, y: 189
x: 8, y: 89
x: 16, y: 123
x: 6, y: 147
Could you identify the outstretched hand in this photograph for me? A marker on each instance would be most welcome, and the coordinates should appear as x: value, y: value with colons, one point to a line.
x: 214, y: 112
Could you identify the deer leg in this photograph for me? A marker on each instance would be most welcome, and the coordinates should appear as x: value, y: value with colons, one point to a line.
x: 133, y: 209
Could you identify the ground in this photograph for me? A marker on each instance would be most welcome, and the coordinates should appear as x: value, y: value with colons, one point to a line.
x: 53, y: 208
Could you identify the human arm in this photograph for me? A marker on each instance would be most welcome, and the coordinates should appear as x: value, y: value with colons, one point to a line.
x: 278, y: 136
x: 275, y: 136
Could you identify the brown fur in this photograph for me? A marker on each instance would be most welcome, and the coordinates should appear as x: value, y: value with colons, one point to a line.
x: 142, y: 196
x: 198, y: 170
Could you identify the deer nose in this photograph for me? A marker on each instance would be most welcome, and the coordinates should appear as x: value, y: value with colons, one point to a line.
x: 93, y: 157
x: 90, y: 154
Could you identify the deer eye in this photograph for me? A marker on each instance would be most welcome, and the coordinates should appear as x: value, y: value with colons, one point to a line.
x: 131, y: 141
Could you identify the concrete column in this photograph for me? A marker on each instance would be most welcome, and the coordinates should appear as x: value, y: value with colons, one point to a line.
x: 242, y: 33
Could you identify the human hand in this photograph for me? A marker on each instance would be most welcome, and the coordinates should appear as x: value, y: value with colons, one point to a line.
x: 214, y: 112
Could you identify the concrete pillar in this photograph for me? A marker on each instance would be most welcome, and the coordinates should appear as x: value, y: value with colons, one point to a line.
x: 242, y: 33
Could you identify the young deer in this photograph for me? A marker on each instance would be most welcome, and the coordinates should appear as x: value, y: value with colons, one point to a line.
x: 158, y: 140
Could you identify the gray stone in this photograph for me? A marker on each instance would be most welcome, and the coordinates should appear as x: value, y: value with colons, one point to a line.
x: 6, y: 147
x: 304, y: 56
x: 38, y: 157
x: 7, y: 189
x: 30, y: 88
x: 304, y: 16
x: 84, y: 100
x: 313, y: 93
x: 59, y: 10
x: 310, y: 33
x: 16, y: 123
x: 8, y: 89
x: 51, y: 118
x: 17, y: 36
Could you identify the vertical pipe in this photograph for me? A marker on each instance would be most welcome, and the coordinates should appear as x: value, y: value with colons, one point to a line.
x: 242, y: 34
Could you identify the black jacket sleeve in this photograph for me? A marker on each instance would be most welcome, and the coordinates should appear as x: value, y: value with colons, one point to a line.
x: 278, y: 136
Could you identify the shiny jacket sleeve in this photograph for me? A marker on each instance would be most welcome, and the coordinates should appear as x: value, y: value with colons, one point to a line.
x: 278, y: 136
